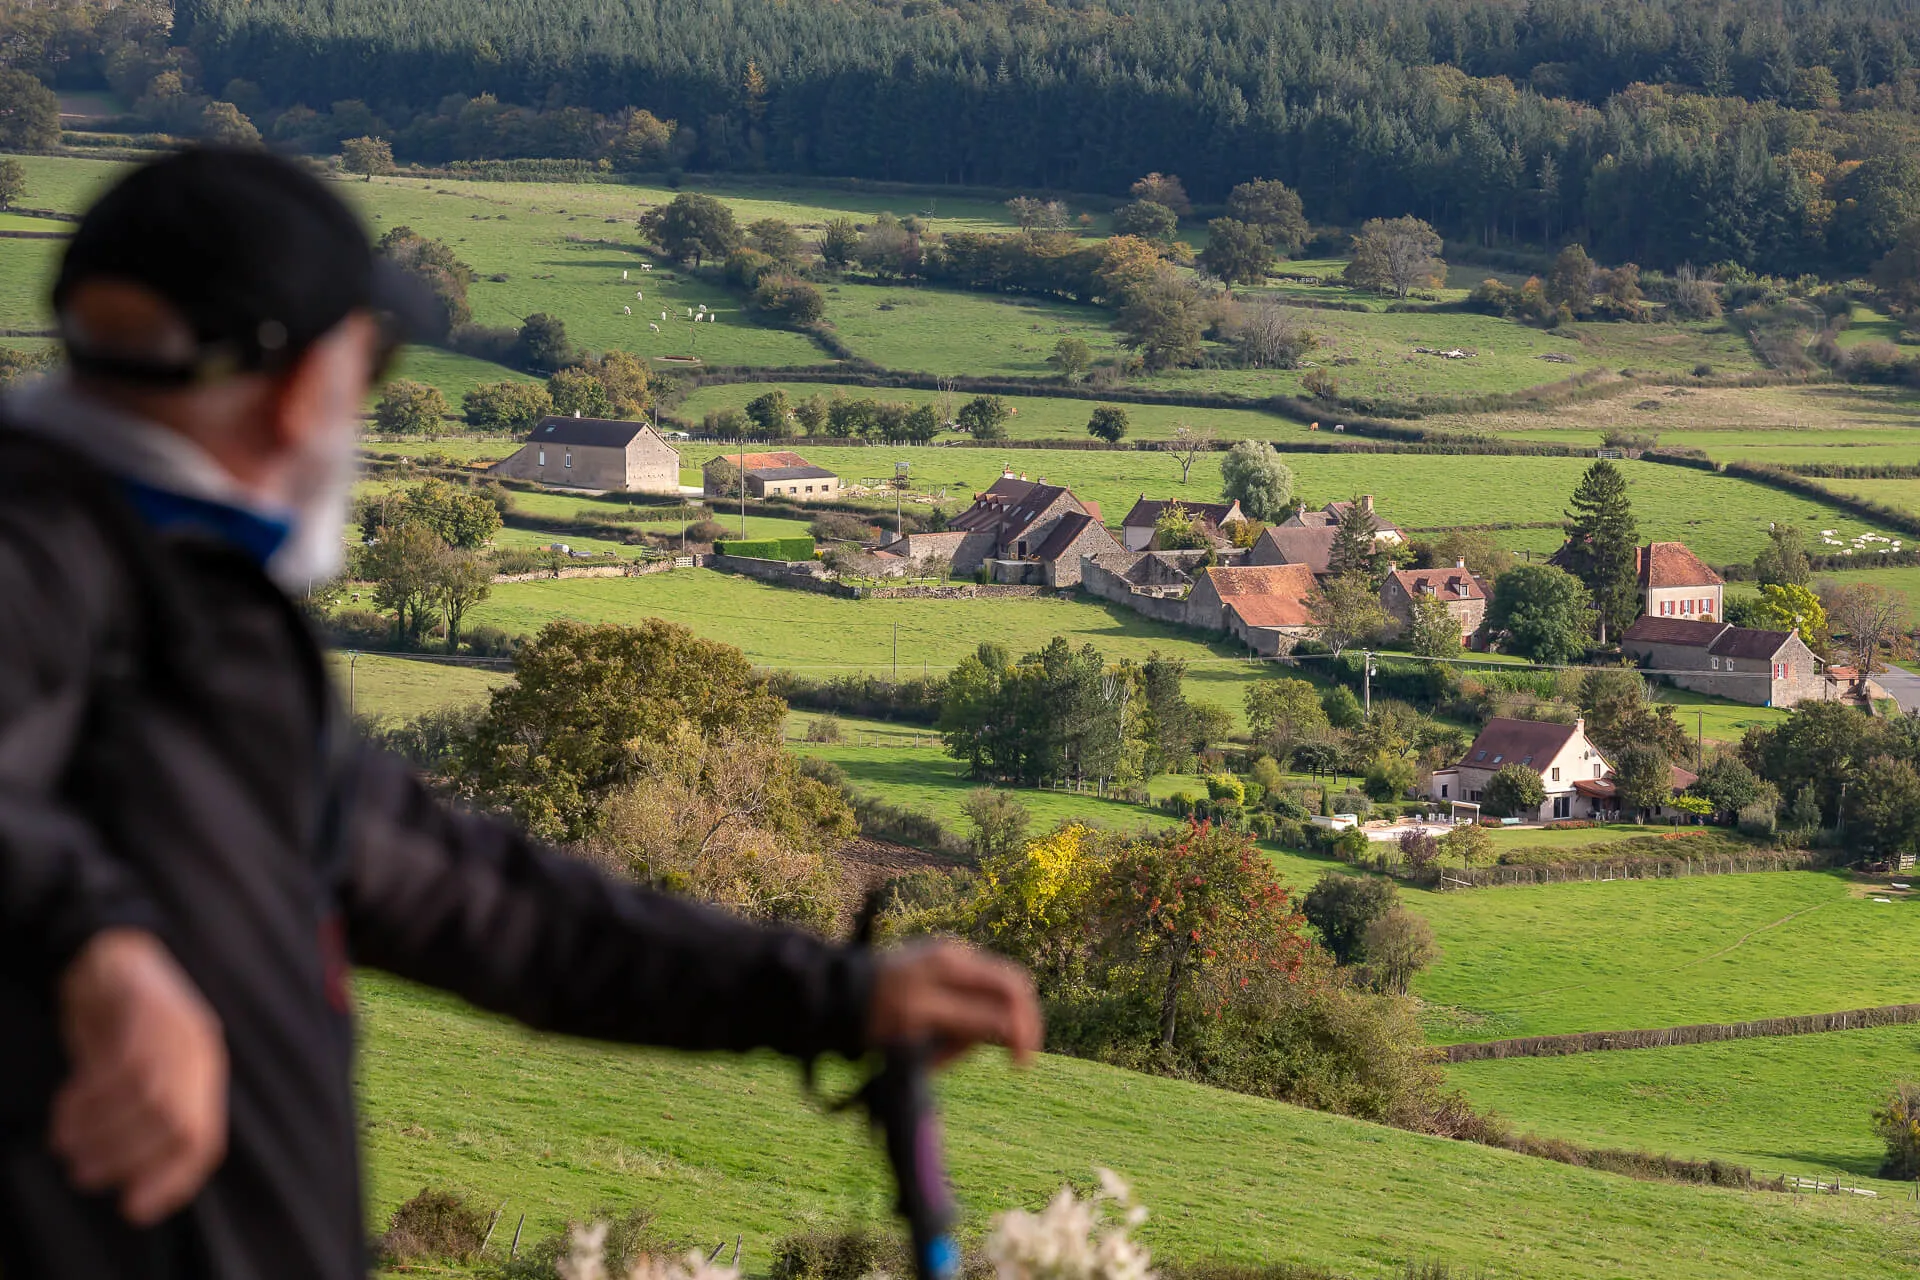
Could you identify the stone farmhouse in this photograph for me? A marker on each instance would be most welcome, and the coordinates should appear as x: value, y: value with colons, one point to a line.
x: 1763, y: 668
x: 1136, y: 531
x: 1329, y: 516
x: 1028, y: 531
x: 1577, y: 778
x: 1464, y: 595
x: 1293, y: 544
x: 595, y: 453
x: 1267, y: 608
x: 782, y: 474
x: 1675, y: 583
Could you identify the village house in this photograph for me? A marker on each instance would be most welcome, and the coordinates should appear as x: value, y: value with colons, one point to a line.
x: 1459, y: 590
x: 1560, y: 753
x: 1295, y: 544
x: 1577, y: 778
x: 1762, y: 668
x: 782, y: 474
x: 1267, y: 608
x: 1136, y: 531
x: 1675, y: 583
x: 595, y: 453
x: 1028, y: 531
x: 1329, y: 517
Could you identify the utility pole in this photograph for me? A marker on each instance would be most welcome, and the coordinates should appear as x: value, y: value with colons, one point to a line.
x: 352, y: 658
x: 1700, y: 738
x: 1366, y: 682
x: 743, y: 484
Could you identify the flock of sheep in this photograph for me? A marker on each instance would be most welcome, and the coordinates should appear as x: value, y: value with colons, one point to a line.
x: 693, y: 314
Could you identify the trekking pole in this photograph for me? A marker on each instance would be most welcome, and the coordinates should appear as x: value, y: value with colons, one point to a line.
x: 899, y: 1105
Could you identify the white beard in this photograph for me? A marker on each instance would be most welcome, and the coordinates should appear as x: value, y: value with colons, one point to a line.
x: 319, y: 490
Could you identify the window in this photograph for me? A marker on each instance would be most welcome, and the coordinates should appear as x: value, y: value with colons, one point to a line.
x: 1443, y: 791
x: 543, y: 457
x: 569, y: 458
x: 1475, y: 798
x: 1686, y: 607
x: 1498, y: 759
x: 1563, y: 807
x: 809, y: 488
x: 1480, y: 755
x: 1715, y: 662
x: 1599, y: 770
x: 1556, y: 775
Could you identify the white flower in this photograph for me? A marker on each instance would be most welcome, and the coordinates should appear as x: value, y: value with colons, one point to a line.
x: 1068, y: 1240
x: 586, y: 1260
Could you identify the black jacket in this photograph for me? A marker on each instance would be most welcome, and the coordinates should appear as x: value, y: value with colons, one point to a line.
x: 170, y: 758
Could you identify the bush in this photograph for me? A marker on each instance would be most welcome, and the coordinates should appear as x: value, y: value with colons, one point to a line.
x: 1419, y: 848
x: 434, y: 1226
x: 1341, y: 907
x: 630, y: 1237
x: 1898, y: 1125
x: 705, y: 531
x: 1352, y: 802
x: 788, y: 549
x: 824, y: 729
x: 1757, y: 820
x: 1224, y: 786
x: 838, y: 526
x: 847, y: 1254
x: 1389, y: 776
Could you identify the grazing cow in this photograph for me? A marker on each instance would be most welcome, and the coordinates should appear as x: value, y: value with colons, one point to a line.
x: 703, y: 308
x: 623, y: 275
x: 651, y: 325
x: 646, y: 266
x: 663, y: 315
x: 627, y: 310
x: 639, y: 295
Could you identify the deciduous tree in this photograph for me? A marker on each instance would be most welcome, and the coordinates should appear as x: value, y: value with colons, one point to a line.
x: 1189, y: 442
x: 984, y: 417
x: 1108, y: 423
x: 506, y: 406
x: 1396, y: 255
x: 1147, y: 219
x: 1274, y: 208
x: 13, y: 181
x: 693, y: 228
x: 408, y: 408
x: 1543, y: 611
x: 1398, y: 946
x: 1347, y: 611
x: 1253, y: 475
x: 1434, y: 631
x: 1642, y: 776
x: 1072, y: 357
x: 1514, y: 791
x: 1866, y: 618
x: 1236, y: 252
x: 367, y: 156
x: 1342, y: 906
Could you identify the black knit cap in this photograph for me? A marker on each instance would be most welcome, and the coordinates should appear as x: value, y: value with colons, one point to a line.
x: 252, y: 250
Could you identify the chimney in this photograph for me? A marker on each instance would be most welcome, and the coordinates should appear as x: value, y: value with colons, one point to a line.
x: 576, y: 413
x: 1006, y: 473
x: 1460, y: 563
x: 1366, y: 501
x: 1580, y: 724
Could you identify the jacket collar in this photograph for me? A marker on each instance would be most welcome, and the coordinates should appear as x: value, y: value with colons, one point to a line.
x: 171, y: 481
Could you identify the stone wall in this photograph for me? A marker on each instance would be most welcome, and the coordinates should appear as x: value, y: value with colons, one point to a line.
x: 1108, y: 585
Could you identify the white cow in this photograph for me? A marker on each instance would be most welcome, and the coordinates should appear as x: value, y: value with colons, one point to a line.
x: 703, y: 308
x: 663, y: 315
x: 627, y: 310
x: 646, y: 266
x: 623, y: 274
x: 639, y: 295
x: 651, y: 325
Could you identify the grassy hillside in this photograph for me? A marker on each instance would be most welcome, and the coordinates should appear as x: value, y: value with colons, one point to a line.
x: 1794, y: 1104
x: 1655, y: 953
x: 389, y: 688
x: 824, y: 635
x: 725, y: 1146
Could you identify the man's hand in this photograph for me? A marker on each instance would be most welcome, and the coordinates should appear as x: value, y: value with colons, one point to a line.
x: 954, y: 997
x: 145, y: 1111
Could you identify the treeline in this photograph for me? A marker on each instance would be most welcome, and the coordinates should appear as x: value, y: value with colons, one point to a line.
x: 1661, y: 132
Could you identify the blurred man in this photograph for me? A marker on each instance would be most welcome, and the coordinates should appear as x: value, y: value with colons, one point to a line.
x: 192, y: 853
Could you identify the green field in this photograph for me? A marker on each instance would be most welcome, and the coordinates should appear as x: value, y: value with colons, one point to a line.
x: 455, y: 375
x: 948, y: 332
x: 1625, y: 954
x: 721, y: 1147
x: 824, y: 635
x: 390, y: 688
x: 1792, y: 1104
x: 1035, y: 417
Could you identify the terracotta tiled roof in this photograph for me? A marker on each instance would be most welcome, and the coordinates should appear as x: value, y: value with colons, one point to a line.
x: 1670, y: 564
x: 1447, y: 584
x: 1278, y: 595
x: 1682, y: 779
x: 1146, y: 512
x: 1652, y: 629
x: 1528, y: 742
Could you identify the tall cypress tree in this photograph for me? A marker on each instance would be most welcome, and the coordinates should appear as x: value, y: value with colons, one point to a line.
x: 1601, y: 541
x: 1354, y: 549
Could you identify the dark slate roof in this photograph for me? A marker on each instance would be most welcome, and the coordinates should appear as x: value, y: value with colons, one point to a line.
x: 1069, y: 527
x: 1009, y: 506
x: 1749, y: 642
x: 1528, y: 742
x: 596, y: 433
x: 808, y: 472
x: 1147, y: 511
x: 1312, y: 547
x: 1651, y: 629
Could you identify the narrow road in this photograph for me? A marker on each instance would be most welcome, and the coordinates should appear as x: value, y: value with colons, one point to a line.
x: 1904, y: 686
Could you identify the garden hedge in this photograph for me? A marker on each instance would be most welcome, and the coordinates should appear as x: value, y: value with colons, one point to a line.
x: 788, y: 549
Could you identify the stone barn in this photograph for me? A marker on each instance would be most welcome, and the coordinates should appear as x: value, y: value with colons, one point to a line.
x: 595, y: 453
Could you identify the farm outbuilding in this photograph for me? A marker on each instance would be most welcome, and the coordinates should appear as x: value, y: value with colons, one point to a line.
x: 595, y: 453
